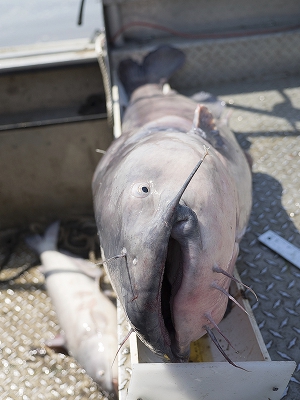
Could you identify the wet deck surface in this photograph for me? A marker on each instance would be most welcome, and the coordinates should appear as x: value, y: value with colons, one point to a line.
x: 266, y: 119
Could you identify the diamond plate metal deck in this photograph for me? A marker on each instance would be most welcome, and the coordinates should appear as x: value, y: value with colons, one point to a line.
x: 266, y: 119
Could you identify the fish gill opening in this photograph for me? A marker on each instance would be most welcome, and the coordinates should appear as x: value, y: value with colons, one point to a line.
x: 170, y: 285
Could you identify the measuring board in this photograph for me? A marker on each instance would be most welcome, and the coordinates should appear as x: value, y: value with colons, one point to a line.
x: 281, y: 246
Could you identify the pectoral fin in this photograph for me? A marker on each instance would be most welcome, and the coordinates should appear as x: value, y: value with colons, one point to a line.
x: 204, y: 125
x: 58, y: 344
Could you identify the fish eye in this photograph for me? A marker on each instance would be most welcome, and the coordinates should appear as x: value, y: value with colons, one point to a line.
x: 141, y: 189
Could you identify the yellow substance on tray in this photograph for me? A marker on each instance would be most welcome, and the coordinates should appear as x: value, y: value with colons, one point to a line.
x: 200, y: 350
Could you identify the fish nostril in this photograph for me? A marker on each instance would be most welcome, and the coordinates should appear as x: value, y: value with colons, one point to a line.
x: 181, y: 220
x: 185, y: 224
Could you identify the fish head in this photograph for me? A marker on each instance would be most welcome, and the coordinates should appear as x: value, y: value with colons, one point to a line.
x: 168, y: 239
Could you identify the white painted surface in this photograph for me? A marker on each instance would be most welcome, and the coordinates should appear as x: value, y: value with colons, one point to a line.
x: 46, y: 54
x: 210, y: 381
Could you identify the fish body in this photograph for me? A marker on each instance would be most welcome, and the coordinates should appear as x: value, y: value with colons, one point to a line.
x: 87, y: 317
x: 170, y: 245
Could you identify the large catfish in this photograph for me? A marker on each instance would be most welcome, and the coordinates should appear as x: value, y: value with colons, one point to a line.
x: 169, y: 228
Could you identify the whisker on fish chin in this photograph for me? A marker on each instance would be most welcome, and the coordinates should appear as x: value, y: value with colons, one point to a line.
x: 123, y: 254
x: 215, y: 286
x: 214, y: 339
x: 211, y: 320
x: 190, y: 177
x: 110, y: 259
x: 122, y: 344
x: 222, y: 271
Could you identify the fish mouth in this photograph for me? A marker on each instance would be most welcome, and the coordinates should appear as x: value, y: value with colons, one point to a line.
x: 171, y: 282
x: 150, y: 307
x: 184, y: 237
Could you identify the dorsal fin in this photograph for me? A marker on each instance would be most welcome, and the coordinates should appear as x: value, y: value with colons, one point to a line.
x: 204, y: 124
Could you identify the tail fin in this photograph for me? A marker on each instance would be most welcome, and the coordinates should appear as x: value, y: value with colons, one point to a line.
x: 46, y: 242
x: 157, y: 67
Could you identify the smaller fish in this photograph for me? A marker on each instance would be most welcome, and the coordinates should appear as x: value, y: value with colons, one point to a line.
x: 87, y: 317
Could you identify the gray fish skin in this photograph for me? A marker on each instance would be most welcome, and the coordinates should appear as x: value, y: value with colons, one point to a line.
x: 87, y: 317
x: 165, y: 281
